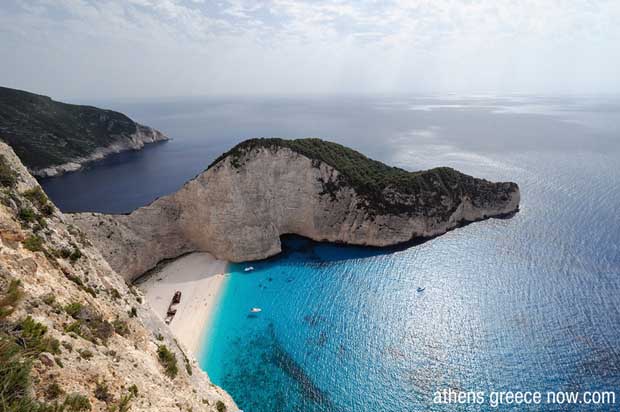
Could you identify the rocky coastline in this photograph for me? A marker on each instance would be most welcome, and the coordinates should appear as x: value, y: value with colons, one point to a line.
x: 52, y: 137
x: 144, y: 135
x: 239, y: 207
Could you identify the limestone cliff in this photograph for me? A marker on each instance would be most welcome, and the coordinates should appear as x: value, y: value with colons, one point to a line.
x: 73, y: 335
x: 240, y: 206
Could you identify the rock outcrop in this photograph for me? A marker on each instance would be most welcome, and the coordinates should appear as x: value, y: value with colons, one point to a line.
x: 134, y: 141
x: 72, y: 332
x: 264, y: 188
x: 52, y: 137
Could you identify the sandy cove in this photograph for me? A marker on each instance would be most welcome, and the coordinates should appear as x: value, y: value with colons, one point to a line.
x: 199, y: 277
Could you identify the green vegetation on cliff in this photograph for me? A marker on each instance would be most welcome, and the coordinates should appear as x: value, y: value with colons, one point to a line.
x: 385, y: 188
x: 45, y: 133
x: 168, y: 360
x: 21, y: 343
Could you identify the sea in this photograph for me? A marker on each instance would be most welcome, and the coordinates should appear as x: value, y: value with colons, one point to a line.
x: 525, y: 304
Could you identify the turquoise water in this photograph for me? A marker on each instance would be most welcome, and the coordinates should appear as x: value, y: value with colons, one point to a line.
x: 527, y: 303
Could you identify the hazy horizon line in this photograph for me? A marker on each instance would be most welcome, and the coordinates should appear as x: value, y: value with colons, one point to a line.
x: 83, y: 100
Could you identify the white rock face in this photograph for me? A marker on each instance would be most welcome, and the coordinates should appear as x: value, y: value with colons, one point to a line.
x: 239, y: 213
x: 49, y: 282
x: 143, y: 135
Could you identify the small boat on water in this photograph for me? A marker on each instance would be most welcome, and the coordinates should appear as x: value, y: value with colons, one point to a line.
x: 249, y: 269
x: 256, y: 310
x: 421, y: 289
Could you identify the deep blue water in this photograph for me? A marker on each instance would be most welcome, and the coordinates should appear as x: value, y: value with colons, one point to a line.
x: 527, y: 303
x: 411, y: 132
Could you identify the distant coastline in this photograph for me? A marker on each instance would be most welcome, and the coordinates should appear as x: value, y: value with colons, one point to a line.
x: 136, y: 142
x: 52, y: 138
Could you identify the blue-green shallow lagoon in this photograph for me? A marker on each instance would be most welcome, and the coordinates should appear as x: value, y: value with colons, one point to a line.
x: 527, y: 303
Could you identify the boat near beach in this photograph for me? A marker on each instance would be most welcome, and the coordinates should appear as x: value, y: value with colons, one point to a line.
x: 172, y: 308
x: 256, y: 310
x: 249, y: 269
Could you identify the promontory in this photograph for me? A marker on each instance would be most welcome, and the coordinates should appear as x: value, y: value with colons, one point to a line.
x: 238, y: 208
x: 52, y: 137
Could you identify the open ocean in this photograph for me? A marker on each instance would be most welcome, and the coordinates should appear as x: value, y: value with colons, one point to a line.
x: 527, y: 303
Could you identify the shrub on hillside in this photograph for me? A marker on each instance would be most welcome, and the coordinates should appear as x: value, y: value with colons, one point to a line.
x: 10, y: 298
x: 8, y: 178
x: 168, y: 361
x: 34, y: 243
x: 27, y: 215
x: 77, y: 403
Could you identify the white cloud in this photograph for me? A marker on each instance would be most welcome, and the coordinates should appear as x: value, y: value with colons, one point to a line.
x: 180, y: 47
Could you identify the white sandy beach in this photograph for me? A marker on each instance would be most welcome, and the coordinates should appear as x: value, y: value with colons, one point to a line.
x: 199, y: 277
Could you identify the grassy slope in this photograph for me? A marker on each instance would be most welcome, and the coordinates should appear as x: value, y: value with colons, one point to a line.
x: 44, y: 132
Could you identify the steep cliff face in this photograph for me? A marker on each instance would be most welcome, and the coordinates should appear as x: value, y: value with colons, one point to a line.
x: 51, y: 137
x: 240, y: 206
x: 72, y: 332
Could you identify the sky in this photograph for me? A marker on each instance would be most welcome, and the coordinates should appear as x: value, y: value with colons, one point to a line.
x: 146, y: 49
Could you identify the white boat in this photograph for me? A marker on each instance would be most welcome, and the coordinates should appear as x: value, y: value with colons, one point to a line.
x: 249, y: 269
x: 256, y: 310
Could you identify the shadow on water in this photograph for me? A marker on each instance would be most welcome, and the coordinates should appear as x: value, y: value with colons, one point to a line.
x: 317, y: 252
x: 288, y: 365
x: 278, y: 381
x: 314, y: 250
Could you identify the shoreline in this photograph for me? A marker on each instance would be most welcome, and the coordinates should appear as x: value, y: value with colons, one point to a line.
x: 200, y: 278
x: 135, y: 141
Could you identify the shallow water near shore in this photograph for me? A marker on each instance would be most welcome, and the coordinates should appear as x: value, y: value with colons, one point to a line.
x: 344, y: 328
x: 526, y: 303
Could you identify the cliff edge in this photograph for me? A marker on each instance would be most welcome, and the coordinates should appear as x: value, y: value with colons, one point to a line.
x: 239, y: 207
x: 73, y: 335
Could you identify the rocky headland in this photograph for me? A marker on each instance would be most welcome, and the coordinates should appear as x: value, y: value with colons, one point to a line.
x: 238, y: 208
x: 52, y: 137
